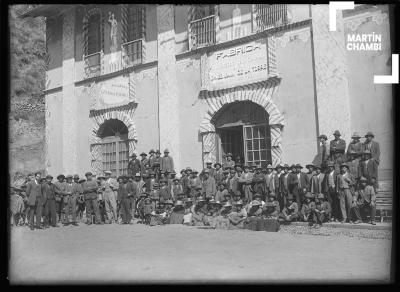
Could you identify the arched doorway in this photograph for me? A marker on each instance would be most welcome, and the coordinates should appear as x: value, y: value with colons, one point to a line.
x: 242, y: 128
x: 114, y: 146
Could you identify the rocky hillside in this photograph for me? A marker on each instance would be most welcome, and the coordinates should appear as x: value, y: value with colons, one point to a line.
x: 26, y: 112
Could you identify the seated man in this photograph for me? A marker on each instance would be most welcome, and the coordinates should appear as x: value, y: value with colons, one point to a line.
x: 271, y: 208
x: 187, y: 217
x: 159, y: 215
x: 290, y: 212
x: 238, y: 215
x: 254, y: 214
x: 365, y: 198
x: 307, y: 210
x: 256, y: 197
x: 222, y: 221
x: 213, y: 208
x: 198, y: 212
x: 147, y: 210
x: 322, y: 210
x: 177, y: 213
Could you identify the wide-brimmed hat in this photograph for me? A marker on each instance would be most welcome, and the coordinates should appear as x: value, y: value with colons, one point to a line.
x: 310, y: 165
x: 355, y: 135
x: 255, y: 203
x: 158, y: 151
x: 101, y: 177
x: 293, y: 166
x: 309, y: 195
x: 344, y: 164
x: 363, y: 179
x: 200, y: 199
x: 320, y: 196
x: 316, y: 166
x: 256, y: 195
x: 69, y: 176
x: 286, y: 166
x: 76, y: 176
x: 298, y: 165
x: 134, y: 155
x: 217, y: 163
x: 107, y: 172
x: 228, y: 154
x: 240, y: 202
x: 169, y: 202
x: 49, y: 176
x: 81, y: 180
x: 272, y: 195
x: 143, y: 154
x: 175, y: 179
x: 278, y: 166
x: 166, y: 150
x: 336, y: 133
x: 206, y: 170
x: 179, y: 203
x: 269, y: 166
x: 60, y: 176
x: 151, y: 151
x: 330, y: 164
x: 88, y: 173
x: 182, y: 170
x: 228, y: 204
x: 195, y: 171
x: 137, y: 174
x: 369, y: 133
x: 218, y: 203
x: 189, y: 200
x: 323, y: 136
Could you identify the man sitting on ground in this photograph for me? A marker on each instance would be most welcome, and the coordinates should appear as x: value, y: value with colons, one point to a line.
x: 290, y: 212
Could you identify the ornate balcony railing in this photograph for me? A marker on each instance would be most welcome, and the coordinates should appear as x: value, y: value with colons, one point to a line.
x: 271, y: 15
x: 93, y: 65
x: 132, y: 53
x: 202, y: 32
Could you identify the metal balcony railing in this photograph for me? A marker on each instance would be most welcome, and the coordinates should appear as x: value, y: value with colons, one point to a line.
x: 271, y: 15
x: 132, y: 52
x: 202, y: 32
x: 93, y: 64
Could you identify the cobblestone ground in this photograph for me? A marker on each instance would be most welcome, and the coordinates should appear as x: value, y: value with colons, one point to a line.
x: 138, y: 253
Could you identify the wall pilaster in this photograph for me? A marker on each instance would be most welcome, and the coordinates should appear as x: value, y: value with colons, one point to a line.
x: 331, y: 74
x: 69, y: 99
x: 167, y: 84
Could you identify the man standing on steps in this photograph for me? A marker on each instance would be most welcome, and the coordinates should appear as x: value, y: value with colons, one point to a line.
x: 337, y: 148
x: 90, y: 191
x: 134, y: 165
x: 373, y: 148
x: 34, y: 195
x: 167, y: 163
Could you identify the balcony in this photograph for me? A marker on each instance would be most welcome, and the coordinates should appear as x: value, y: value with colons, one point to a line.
x: 202, y: 32
x: 269, y: 16
x: 132, y: 53
x: 93, y: 65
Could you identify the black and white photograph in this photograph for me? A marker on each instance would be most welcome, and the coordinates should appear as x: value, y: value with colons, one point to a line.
x: 201, y: 143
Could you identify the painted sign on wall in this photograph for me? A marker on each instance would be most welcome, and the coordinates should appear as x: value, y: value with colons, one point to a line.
x: 239, y: 65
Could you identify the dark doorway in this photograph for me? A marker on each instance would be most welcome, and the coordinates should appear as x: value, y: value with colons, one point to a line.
x: 232, y: 142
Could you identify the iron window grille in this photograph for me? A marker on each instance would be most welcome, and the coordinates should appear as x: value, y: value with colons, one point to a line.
x: 133, y: 37
x: 268, y: 16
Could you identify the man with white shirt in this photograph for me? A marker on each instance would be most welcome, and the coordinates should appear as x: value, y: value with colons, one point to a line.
x: 317, y: 182
x: 110, y: 197
x: 35, y: 202
x: 344, y: 182
x: 269, y: 181
x: 331, y: 193
x: 246, y: 180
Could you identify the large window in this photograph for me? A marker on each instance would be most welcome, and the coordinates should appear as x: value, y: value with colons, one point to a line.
x: 133, y: 33
x: 93, y: 48
x: 202, y: 25
x: 257, y: 143
x: 115, y: 148
x: 268, y: 16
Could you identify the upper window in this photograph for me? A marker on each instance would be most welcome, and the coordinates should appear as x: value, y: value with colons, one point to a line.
x: 268, y: 16
x: 93, y: 42
x: 201, y: 25
x: 133, y: 33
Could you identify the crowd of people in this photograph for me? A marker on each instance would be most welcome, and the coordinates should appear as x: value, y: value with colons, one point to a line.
x: 341, y: 187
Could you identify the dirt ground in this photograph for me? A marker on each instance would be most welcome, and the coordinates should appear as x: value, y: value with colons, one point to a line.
x: 171, y: 253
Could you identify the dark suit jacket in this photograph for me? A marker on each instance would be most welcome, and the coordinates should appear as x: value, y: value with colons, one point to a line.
x: 33, y: 192
x: 293, y: 181
x: 337, y: 150
x: 375, y: 151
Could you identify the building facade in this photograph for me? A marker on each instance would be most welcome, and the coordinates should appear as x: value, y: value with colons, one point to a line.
x: 259, y: 81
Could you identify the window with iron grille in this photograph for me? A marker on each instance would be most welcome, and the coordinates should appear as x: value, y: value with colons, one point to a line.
x: 268, y: 16
x: 93, y: 49
x: 202, y: 25
x: 133, y: 34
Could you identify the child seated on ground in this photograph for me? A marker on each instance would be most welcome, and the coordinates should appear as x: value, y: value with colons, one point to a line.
x: 290, y: 212
x: 147, y: 210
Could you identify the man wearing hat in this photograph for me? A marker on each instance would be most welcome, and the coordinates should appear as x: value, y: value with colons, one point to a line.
x: 152, y: 155
x: 271, y: 208
x: 311, y: 170
x: 232, y: 182
x: 156, y: 165
x: 345, y: 182
x: 164, y: 192
x: 366, y: 200
x: 229, y: 162
x: 208, y: 188
x: 167, y: 163
x: 337, y: 149
x: 143, y: 162
x: 72, y: 191
x: 134, y: 165
x: 259, y: 181
x: 329, y: 184
x: 184, y: 181
x: 283, y: 183
x: 324, y: 152
x: 221, y: 192
x: 90, y: 188
x: 269, y: 181
x: 210, y: 168
x: 110, y: 196
x: 16, y: 205
x: 35, y: 201
x: 353, y: 154
x: 123, y: 199
x: 218, y: 173
x: 317, y: 182
x: 199, y: 211
x: 278, y: 193
x: 177, y: 189
x: 245, y: 181
x: 59, y: 189
x: 290, y: 211
x: 238, y: 216
x: 321, y: 213
x: 368, y: 168
x: 298, y: 184
x: 307, y: 210
x: 373, y: 148
x: 194, y: 183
